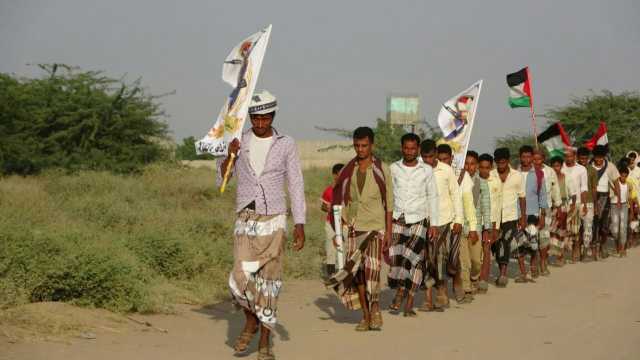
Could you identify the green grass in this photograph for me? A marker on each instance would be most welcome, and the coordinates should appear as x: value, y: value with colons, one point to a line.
x: 130, y: 243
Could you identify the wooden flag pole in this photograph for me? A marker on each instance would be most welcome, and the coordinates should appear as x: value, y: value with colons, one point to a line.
x: 533, y: 115
x: 227, y: 172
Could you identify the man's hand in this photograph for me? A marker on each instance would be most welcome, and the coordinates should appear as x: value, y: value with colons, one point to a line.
x: 432, y: 233
x: 457, y: 228
x: 234, y: 146
x: 473, y: 237
x: 619, y: 203
x: 386, y: 240
x: 298, y: 237
x: 541, y: 223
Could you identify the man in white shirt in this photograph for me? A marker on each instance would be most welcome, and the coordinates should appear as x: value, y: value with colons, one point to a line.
x: 443, y: 251
x: 415, y: 207
x: 607, y: 175
x: 578, y: 209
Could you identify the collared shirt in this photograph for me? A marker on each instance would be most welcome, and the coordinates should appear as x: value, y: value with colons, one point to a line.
x: 579, y: 180
x: 415, y: 193
x: 495, y: 192
x: 468, y: 206
x: 512, y: 191
x: 449, y: 204
x: 536, y: 199
x: 267, y: 190
x: 551, y: 184
x: 366, y: 211
x: 481, y: 202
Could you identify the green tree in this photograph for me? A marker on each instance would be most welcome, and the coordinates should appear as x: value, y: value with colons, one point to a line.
x: 621, y: 112
x: 77, y: 119
x: 187, y: 150
x: 513, y: 142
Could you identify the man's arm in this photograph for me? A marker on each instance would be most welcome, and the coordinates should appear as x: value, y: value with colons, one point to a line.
x: 295, y: 185
x: 454, y: 192
x: 432, y: 197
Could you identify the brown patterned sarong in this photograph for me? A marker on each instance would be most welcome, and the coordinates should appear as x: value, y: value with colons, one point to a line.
x: 443, y: 256
x: 258, y: 250
x: 363, y: 260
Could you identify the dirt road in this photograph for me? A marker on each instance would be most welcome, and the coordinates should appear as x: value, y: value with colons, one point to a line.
x: 583, y: 311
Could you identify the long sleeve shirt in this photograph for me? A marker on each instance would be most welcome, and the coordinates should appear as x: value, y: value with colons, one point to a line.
x: 468, y: 206
x: 535, y: 199
x: 415, y: 193
x: 579, y: 180
x: 482, y: 204
x: 512, y: 192
x: 449, y: 210
x: 551, y: 184
x: 267, y: 190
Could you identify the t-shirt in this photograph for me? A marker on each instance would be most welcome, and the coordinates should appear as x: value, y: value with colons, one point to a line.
x: 624, y: 192
x: 603, y: 182
x: 579, y: 180
x: 327, y: 198
x: 258, y: 149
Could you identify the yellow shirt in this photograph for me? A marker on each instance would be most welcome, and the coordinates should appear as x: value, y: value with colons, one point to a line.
x: 365, y: 211
x: 449, y: 199
x: 512, y: 191
x: 466, y: 197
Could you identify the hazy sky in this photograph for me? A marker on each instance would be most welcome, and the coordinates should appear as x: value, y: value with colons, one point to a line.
x: 332, y: 63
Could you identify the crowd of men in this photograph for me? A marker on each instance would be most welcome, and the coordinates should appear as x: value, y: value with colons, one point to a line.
x: 431, y: 224
x: 427, y: 222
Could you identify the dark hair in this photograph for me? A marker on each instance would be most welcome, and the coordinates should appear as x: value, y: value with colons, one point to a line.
x: 502, y: 154
x: 410, y: 137
x: 600, y: 150
x: 583, y: 151
x: 623, y: 167
x: 632, y: 155
x: 486, y: 157
x: 624, y: 162
x: 336, y: 168
x: 525, y: 149
x: 556, y: 159
x: 363, y: 132
x: 472, y: 154
x: 444, y: 149
x: 427, y: 146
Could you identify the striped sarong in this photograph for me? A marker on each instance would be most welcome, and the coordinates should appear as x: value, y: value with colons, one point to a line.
x: 363, y: 262
x: 407, y: 253
x: 443, y: 256
x: 258, y: 249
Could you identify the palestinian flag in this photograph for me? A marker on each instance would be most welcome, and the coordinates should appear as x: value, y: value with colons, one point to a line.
x: 519, y: 88
x: 555, y: 139
x: 600, y: 138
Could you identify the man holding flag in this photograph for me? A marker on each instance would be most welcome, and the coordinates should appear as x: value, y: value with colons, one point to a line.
x: 264, y: 162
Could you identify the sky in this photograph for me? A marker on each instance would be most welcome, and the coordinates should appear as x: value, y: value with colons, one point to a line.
x: 333, y: 63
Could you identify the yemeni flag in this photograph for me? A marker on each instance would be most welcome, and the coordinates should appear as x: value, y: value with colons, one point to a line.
x: 600, y: 138
x: 519, y: 88
x: 555, y: 139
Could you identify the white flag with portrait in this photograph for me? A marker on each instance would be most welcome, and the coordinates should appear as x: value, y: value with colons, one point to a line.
x: 456, y: 122
x: 240, y: 70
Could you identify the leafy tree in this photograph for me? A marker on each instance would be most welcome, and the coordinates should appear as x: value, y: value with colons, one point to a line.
x: 187, y: 150
x: 77, y: 120
x: 513, y: 142
x: 621, y: 112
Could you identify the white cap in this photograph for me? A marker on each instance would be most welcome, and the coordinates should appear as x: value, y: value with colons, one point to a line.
x: 263, y: 102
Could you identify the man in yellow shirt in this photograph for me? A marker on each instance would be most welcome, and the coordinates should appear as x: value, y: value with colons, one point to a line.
x: 513, y: 199
x: 443, y: 251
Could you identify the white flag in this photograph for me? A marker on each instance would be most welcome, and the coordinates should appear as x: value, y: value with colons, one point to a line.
x: 240, y: 70
x: 456, y: 122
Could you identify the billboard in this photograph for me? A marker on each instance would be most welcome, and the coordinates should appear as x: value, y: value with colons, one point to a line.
x: 403, y: 110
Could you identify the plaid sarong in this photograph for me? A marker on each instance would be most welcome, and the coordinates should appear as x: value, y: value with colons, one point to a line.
x: 443, y: 256
x: 573, y: 226
x: 601, y: 221
x: 363, y: 262
x: 407, y: 253
x: 258, y: 250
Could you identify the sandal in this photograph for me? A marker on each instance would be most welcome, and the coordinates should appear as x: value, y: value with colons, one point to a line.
x: 522, y: 279
x: 394, y: 308
x: 409, y: 313
x: 426, y: 307
x: 376, y: 321
x: 482, y: 287
x: 363, y: 325
x: 243, y: 341
x: 266, y: 354
x: 442, y: 301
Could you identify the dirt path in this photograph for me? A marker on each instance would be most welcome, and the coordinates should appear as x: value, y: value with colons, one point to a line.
x: 583, y: 311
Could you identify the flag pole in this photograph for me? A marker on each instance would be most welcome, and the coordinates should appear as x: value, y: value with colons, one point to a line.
x: 533, y: 115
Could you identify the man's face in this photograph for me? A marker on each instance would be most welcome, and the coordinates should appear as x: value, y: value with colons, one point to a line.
x: 557, y: 167
x: 363, y: 148
x: 598, y: 160
x: 583, y: 160
x: 502, y: 165
x: 632, y: 161
x: 623, y: 177
x: 570, y: 158
x: 429, y: 158
x: 445, y: 158
x: 525, y: 159
x: 538, y: 160
x: 484, y: 169
x: 410, y: 151
x: 335, y: 177
x: 471, y: 165
x: 261, y: 124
